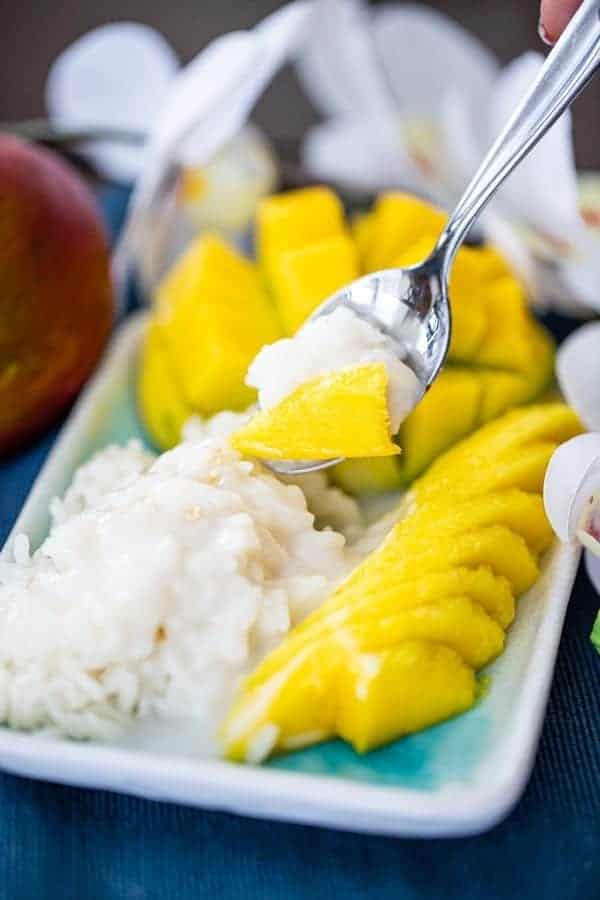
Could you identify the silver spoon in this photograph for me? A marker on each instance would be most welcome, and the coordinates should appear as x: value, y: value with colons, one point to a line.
x: 411, y: 305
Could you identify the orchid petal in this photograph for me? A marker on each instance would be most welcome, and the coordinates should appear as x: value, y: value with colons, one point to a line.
x: 461, y: 131
x: 366, y: 154
x: 578, y: 373
x: 572, y: 480
x: 582, y: 271
x: 209, y: 102
x: 422, y: 50
x: 211, y: 98
x: 509, y: 241
x: 116, y: 76
x: 542, y: 191
x: 589, y: 198
x: 592, y: 566
x: 339, y: 68
x: 233, y: 182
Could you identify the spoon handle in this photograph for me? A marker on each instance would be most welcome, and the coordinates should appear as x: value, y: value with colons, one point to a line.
x: 568, y: 68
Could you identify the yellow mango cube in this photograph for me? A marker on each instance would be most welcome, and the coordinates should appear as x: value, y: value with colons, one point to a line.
x: 302, y: 279
x: 293, y: 220
x: 500, y: 391
x: 362, y: 228
x: 343, y: 413
x: 506, y: 344
x: 399, y: 221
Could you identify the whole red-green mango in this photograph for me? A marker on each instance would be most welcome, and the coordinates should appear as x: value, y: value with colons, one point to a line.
x: 56, y: 301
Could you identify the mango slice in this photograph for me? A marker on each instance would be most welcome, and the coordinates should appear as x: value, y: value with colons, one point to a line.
x: 294, y: 220
x: 297, y: 705
x: 509, y: 452
x: 522, y: 512
x: 302, y: 279
x: 343, y: 413
x: 429, y: 429
x: 367, y: 476
x: 402, y: 690
x: 348, y: 604
x: 456, y: 622
x: 213, y: 317
x: 495, y: 546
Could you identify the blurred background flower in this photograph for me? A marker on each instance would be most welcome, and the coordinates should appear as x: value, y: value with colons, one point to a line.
x: 412, y: 99
x: 406, y: 95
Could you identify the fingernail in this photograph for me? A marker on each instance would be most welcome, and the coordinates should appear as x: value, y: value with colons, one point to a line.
x: 544, y: 34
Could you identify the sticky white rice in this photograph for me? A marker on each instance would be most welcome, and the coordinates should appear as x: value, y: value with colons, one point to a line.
x: 340, y: 340
x: 161, y: 583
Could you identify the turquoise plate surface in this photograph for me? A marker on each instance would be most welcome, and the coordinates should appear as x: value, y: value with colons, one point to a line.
x: 454, y: 778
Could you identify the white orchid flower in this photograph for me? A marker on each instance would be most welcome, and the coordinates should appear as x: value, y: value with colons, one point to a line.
x: 114, y: 77
x: 207, y: 108
x: 572, y: 483
x: 200, y: 164
x: 413, y: 100
x: 118, y: 78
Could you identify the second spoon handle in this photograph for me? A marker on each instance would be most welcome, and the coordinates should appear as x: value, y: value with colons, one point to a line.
x: 568, y: 68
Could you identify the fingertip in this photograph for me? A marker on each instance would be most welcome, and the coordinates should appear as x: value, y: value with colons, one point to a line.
x: 555, y: 15
x: 543, y: 33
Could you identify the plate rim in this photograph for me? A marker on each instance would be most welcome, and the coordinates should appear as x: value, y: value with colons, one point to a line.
x: 455, y: 810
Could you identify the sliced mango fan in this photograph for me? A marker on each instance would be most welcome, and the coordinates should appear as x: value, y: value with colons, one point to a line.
x: 398, y: 644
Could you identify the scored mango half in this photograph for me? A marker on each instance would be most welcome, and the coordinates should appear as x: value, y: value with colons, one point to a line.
x: 216, y: 309
x: 342, y: 413
x: 397, y: 645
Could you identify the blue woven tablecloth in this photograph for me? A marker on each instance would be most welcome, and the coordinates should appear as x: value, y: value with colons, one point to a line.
x: 63, y: 843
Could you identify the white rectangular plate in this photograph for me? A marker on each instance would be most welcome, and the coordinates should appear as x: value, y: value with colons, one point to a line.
x: 458, y: 778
